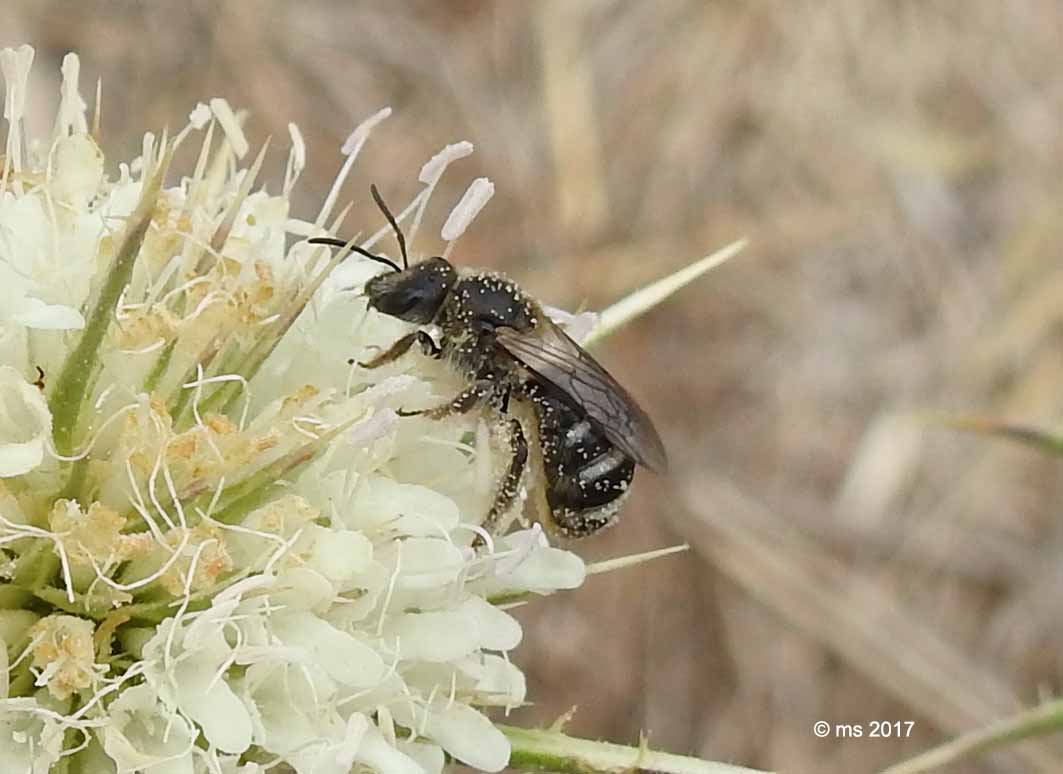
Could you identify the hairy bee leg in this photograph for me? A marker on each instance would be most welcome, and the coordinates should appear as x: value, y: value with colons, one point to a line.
x: 509, y: 486
x: 401, y: 347
x: 466, y: 401
x: 392, y: 353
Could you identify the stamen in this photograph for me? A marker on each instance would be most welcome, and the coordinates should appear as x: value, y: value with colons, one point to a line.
x: 296, y: 159
x: 95, y: 436
x: 280, y: 552
x: 154, y: 476
x: 228, y: 378
x: 207, y: 434
x: 28, y: 530
x: 391, y: 588
x: 351, y: 148
x: 140, y: 507
x: 230, y: 124
x: 216, y: 496
x: 472, y: 201
x: 147, y: 579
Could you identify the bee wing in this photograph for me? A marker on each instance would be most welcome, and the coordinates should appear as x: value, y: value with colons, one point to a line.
x: 552, y: 355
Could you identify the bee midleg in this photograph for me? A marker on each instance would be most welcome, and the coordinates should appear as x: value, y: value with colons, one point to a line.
x: 509, y: 486
x: 465, y: 401
x: 401, y: 347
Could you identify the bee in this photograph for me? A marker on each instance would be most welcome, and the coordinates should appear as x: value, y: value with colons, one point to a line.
x: 588, y: 433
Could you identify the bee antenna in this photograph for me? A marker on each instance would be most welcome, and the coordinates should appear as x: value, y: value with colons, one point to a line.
x: 394, y: 224
x: 356, y: 249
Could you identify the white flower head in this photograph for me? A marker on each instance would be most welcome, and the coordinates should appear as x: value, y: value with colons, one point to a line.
x: 224, y: 550
x: 248, y: 558
x: 25, y: 424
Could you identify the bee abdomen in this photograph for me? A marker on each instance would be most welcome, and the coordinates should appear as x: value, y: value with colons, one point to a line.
x: 587, y: 477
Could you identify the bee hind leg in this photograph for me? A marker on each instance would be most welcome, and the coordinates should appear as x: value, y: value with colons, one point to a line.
x: 509, y: 486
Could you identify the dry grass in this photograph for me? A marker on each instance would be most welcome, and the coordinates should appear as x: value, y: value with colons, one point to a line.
x: 898, y: 167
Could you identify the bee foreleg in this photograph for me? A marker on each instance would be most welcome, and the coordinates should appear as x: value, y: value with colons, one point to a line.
x: 401, y: 347
x: 509, y: 486
x: 466, y: 401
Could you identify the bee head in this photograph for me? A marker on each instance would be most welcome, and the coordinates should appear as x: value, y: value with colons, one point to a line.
x: 414, y: 294
x: 411, y: 293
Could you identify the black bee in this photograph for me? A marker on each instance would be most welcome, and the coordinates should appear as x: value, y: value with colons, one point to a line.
x: 591, y: 434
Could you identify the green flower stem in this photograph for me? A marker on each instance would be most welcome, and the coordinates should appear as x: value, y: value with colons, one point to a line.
x: 77, y: 373
x: 161, y: 364
x: 1045, y: 719
x: 21, y: 681
x: 540, y: 750
x: 514, y: 596
x: 57, y: 598
x: 152, y: 611
x: 1038, y: 438
x: 15, y: 628
x: 12, y: 598
x: 641, y: 301
x: 158, y: 611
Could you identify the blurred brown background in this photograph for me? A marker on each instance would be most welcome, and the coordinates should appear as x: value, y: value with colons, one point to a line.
x: 898, y: 167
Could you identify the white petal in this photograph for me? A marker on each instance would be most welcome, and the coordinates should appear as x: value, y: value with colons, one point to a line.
x: 27, y: 741
x: 407, y: 508
x: 25, y: 422
x: 430, y: 757
x: 461, y: 731
x: 302, y: 588
x: 432, y: 636
x: 377, y: 753
x: 497, y: 630
x: 578, y: 326
x: 214, y: 706
x: 499, y: 682
x: 422, y: 563
x: 277, y: 694
x: 353, y: 735
x: 141, y: 735
x: 34, y: 313
x: 543, y: 569
x: 78, y: 169
x: 344, y: 658
x: 339, y: 554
